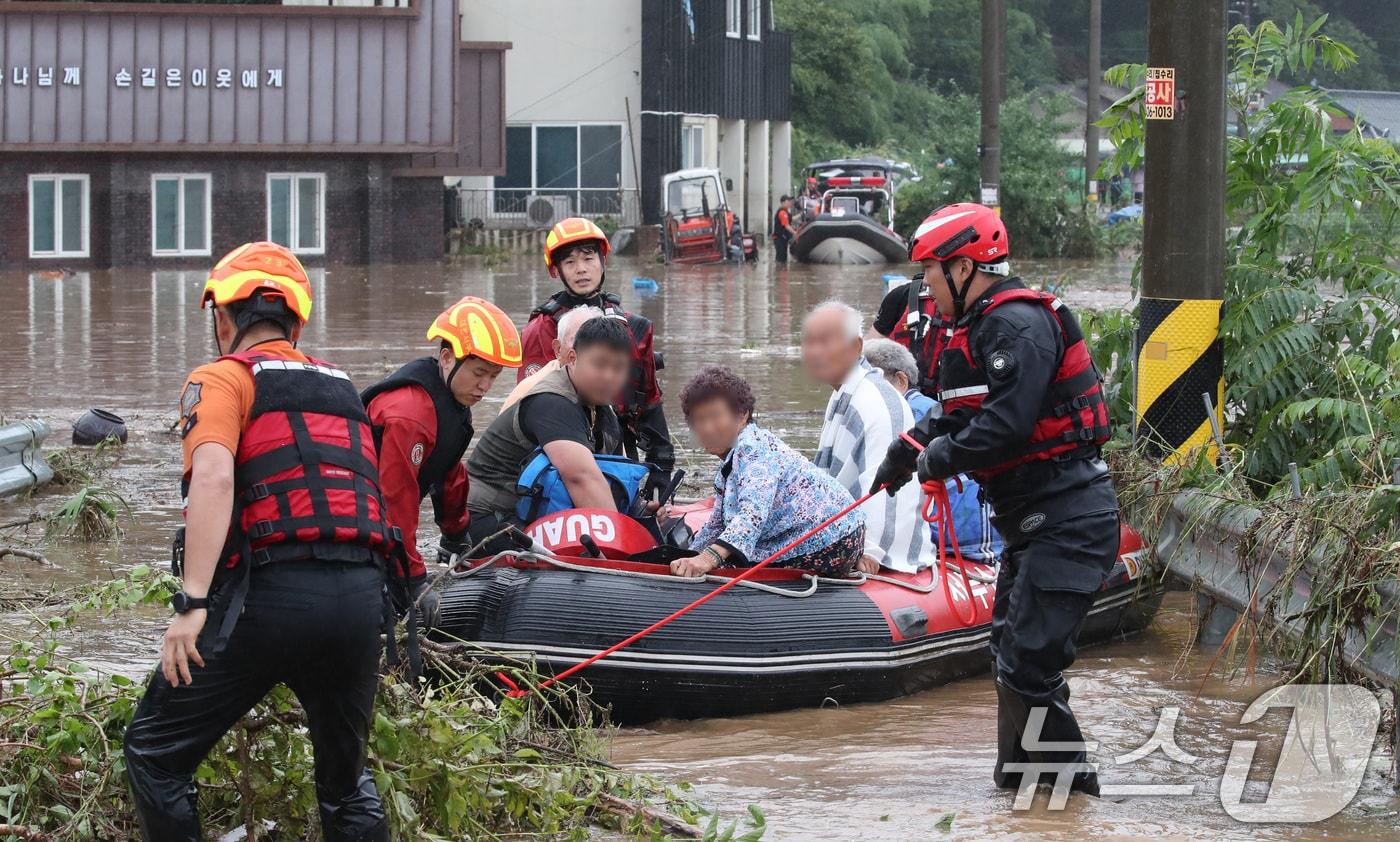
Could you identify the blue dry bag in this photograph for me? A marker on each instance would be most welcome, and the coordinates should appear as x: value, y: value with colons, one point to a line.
x: 542, y: 490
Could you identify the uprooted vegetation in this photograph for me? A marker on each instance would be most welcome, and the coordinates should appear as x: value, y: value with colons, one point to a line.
x: 452, y: 760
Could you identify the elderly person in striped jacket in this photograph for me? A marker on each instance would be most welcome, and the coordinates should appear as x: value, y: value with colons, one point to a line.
x: 863, y: 416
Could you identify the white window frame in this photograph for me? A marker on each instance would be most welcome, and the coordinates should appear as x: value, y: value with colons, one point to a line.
x: 86, y: 221
x: 691, y: 131
x: 733, y: 14
x: 534, y: 187
x: 294, y: 209
x: 755, y: 22
x: 180, y: 179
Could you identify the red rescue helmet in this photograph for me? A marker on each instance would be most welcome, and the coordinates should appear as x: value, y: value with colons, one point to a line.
x: 963, y: 230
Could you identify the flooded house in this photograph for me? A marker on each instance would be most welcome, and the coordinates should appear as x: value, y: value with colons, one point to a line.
x: 605, y: 98
x: 162, y: 134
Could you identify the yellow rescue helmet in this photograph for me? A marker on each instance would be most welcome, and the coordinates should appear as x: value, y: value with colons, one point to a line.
x: 475, y: 327
x: 572, y: 232
x: 260, y: 269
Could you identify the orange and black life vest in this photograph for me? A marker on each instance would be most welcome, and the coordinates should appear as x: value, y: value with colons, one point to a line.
x: 1073, y: 419
x: 306, y: 476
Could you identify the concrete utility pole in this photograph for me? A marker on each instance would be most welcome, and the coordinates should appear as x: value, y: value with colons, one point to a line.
x: 993, y: 91
x: 1092, y: 112
x: 1183, y: 255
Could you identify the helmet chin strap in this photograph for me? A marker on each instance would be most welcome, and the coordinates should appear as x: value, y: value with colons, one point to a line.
x: 959, y: 295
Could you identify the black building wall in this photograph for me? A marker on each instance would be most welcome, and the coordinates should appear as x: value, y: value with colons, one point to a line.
x: 371, y: 217
x: 706, y: 72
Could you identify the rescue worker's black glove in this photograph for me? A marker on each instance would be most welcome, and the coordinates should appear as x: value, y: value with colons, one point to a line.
x: 900, y: 460
x: 452, y: 549
x: 934, y: 462
x: 902, y: 457
x: 425, y: 598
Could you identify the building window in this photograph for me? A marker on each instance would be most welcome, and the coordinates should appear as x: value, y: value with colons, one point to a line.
x: 180, y: 213
x: 732, y: 25
x: 296, y: 211
x: 58, y: 216
x: 755, y: 19
x: 692, y: 146
x: 580, y: 163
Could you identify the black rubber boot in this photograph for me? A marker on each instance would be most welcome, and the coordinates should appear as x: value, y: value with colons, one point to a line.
x: 1011, y: 724
x: 358, y: 817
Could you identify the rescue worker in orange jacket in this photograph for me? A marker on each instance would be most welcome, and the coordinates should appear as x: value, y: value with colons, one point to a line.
x: 282, y: 558
x: 1024, y: 414
x: 422, y: 422
x: 576, y: 252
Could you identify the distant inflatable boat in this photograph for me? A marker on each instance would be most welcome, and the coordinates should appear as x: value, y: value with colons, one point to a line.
x: 782, y: 640
x: 850, y: 212
x: 852, y: 239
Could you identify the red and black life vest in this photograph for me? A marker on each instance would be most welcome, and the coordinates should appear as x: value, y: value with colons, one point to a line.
x: 641, y: 391
x: 306, y: 477
x: 925, y: 336
x: 1073, y: 419
x: 454, y: 421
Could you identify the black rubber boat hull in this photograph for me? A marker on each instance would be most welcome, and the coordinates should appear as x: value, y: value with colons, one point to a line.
x: 848, y: 240
x: 748, y: 651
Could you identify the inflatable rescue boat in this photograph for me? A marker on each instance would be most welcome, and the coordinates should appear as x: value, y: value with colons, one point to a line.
x: 783, y: 639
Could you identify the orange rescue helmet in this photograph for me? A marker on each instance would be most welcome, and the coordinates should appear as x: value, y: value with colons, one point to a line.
x: 571, y: 232
x: 262, y: 268
x: 474, y: 327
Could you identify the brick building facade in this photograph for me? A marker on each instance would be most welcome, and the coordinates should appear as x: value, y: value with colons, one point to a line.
x: 370, y: 215
x: 166, y: 135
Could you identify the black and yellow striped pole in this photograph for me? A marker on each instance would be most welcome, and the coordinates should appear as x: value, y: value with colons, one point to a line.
x: 1179, y: 355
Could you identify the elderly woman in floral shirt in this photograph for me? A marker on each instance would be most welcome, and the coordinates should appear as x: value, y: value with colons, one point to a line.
x: 768, y: 493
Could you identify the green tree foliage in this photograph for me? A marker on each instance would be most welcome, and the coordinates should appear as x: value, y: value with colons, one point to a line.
x: 1312, y: 319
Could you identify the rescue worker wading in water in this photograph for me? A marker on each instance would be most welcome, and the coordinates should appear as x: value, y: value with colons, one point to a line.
x: 422, y: 422
x: 284, y: 550
x: 576, y: 252
x: 1025, y: 417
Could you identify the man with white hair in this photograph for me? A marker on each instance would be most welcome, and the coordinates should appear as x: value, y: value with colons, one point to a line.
x: 863, y: 417
x: 568, y: 329
x: 972, y: 518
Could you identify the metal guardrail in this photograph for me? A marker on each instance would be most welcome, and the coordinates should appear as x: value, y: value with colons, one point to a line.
x: 1202, y: 540
x: 523, y: 209
x: 22, y: 466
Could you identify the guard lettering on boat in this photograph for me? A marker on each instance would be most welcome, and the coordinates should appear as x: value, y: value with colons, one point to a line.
x: 569, y: 526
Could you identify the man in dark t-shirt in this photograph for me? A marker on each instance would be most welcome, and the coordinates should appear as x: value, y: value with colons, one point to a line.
x: 569, y: 415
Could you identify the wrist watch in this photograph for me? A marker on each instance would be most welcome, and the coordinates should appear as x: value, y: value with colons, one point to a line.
x: 183, y: 603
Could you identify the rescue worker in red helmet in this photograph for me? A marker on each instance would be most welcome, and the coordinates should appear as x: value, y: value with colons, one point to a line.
x: 1025, y: 416
x: 282, y: 558
x: 422, y: 422
x: 576, y: 252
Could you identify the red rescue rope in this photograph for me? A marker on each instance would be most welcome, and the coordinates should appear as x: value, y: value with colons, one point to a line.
x: 516, y: 692
x: 938, y: 509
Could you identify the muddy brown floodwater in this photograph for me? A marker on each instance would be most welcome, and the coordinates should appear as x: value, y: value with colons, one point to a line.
x: 124, y: 340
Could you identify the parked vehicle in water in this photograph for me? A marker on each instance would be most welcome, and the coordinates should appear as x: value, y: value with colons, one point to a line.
x: 699, y: 226
x: 782, y: 639
x: 854, y: 222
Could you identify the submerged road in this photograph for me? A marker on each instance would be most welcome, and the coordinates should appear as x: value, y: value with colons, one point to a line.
x: 125, y: 339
